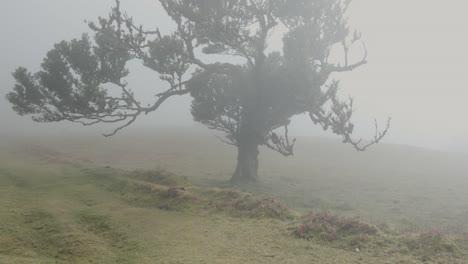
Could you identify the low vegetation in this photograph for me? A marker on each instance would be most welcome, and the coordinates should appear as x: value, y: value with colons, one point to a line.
x: 160, y: 176
x: 51, y: 212
x: 431, y: 245
x: 158, y: 188
x: 328, y: 227
x: 350, y: 233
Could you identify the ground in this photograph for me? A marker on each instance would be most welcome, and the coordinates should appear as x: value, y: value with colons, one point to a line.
x: 74, y: 200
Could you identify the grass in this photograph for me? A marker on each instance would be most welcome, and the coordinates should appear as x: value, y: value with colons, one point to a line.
x: 160, y: 177
x: 331, y: 228
x: 63, y: 208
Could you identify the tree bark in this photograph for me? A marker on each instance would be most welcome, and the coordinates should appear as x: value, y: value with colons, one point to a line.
x: 247, y: 163
x: 248, y: 138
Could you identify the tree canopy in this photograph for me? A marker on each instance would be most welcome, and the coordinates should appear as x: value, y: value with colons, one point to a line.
x: 84, y: 80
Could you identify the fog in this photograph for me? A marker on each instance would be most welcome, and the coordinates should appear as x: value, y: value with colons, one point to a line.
x: 166, y: 190
x: 416, y: 72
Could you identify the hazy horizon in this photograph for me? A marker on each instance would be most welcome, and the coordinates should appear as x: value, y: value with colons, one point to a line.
x: 264, y: 187
x: 415, y: 72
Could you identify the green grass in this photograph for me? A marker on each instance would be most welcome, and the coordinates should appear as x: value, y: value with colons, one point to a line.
x: 70, y: 208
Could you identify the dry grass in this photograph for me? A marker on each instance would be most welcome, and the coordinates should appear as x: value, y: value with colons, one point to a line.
x: 56, y: 209
x: 329, y: 227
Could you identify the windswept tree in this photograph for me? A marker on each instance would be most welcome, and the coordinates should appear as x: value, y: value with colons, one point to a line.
x: 252, y: 102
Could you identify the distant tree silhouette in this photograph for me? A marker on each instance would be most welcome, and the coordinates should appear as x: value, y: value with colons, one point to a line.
x: 251, y: 102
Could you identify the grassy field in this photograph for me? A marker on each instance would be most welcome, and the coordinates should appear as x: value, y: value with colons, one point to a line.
x: 73, y: 199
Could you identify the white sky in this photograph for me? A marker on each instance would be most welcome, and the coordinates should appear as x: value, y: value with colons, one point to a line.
x: 417, y: 70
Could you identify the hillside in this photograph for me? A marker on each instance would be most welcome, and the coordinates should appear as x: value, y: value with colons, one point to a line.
x: 401, y: 183
x: 61, y: 203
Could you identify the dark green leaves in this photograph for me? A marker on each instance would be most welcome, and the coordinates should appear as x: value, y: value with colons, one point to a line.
x: 168, y: 56
x: 259, y: 94
x: 70, y: 82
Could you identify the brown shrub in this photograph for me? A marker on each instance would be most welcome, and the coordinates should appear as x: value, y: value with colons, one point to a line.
x: 430, y: 244
x: 328, y: 227
x: 240, y: 204
x: 256, y: 207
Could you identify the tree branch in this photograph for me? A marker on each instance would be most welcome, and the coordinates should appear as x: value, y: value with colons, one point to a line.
x: 281, y: 144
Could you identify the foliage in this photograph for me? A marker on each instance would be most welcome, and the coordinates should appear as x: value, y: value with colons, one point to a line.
x: 248, y: 101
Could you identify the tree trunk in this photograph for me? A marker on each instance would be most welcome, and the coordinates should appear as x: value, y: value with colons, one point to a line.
x: 247, y: 163
x: 248, y: 141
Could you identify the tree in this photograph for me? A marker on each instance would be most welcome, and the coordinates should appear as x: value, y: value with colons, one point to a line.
x: 252, y: 102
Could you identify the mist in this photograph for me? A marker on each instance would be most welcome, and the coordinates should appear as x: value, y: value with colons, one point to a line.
x: 226, y: 170
x: 415, y: 73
